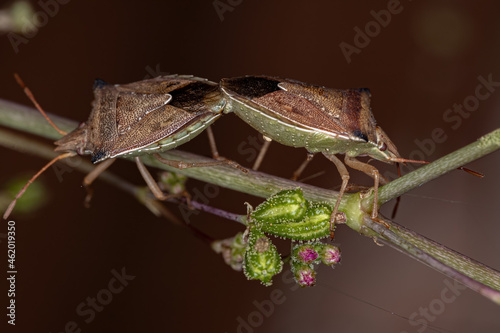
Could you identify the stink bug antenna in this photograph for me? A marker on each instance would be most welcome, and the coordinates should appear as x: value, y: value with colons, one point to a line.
x: 472, y: 172
x: 399, y: 160
x: 398, y: 199
x: 13, y: 203
x: 57, y: 158
x: 404, y: 161
x: 30, y: 95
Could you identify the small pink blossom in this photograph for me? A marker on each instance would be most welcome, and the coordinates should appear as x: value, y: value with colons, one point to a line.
x: 307, y: 254
x: 305, y: 276
x: 330, y: 255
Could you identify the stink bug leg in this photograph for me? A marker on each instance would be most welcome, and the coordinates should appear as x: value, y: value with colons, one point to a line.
x: 372, y: 172
x: 363, y: 167
x: 320, y: 119
x: 213, y: 145
x: 92, y: 175
x: 144, y: 117
x: 183, y: 165
x: 262, y: 153
x: 153, y: 186
x: 215, y: 155
x: 345, y: 179
x: 302, y: 167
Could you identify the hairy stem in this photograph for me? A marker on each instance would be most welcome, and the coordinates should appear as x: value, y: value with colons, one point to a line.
x: 483, y: 146
x: 475, y: 275
x: 469, y: 272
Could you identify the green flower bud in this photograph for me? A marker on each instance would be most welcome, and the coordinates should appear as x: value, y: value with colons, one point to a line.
x: 284, y: 206
x: 316, y: 224
x: 304, y: 275
x: 329, y: 254
x: 261, y: 260
x: 172, y: 182
x: 232, y: 249
x: 305, y: 254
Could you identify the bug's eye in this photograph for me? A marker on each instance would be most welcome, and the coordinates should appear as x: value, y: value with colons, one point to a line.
x: 383, y: 147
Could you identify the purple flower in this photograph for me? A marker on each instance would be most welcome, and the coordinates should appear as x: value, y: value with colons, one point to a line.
x: 330, y: 255
x: 305, y: 276
x: 306, y: 254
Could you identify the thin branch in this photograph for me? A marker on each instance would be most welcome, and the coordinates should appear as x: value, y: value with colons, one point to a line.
x: 263, y: 185
x: 469, y: 272
x: 483, y: 146
x: 29, y: 120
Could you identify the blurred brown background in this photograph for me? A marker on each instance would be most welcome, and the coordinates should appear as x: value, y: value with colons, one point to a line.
x: 425, y: 60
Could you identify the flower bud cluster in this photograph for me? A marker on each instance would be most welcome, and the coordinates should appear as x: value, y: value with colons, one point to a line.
x: 306, y: 256
x: 261, y: 260
x: 286, y: 214
x: 289, y: 215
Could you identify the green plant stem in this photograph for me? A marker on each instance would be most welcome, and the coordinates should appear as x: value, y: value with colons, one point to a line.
x: 258, y: 184
x: 29, y: 120
x: 483, y: 146
x: 469, y: 272
x: 263, y: 185
x: 16, y: 142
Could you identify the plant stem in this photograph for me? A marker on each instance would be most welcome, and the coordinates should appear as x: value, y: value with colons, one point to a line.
x: 219, y: 212
x: 25, y: 145
x: 469, y: 272
x: 29, y: 120
x: 483, y: 146
x: 487, y: 280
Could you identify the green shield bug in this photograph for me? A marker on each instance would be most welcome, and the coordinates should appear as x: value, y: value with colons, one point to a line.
x: 144, y: 117
x: 329, y: 121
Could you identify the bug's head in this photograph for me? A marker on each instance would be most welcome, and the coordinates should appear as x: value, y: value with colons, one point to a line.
x: 75, y: 141
x: 387, y: 151
x: 384, y: 150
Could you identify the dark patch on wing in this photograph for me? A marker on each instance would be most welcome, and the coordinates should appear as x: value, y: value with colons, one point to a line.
x: 148, y: 119
x: 251, y: 86
x: 98, y: 83
x: 192, y: 97
x: 357, y: 115
x: 360, y: 135
x: 98, y: 155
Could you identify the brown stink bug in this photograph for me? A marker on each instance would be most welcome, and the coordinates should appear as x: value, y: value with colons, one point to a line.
x: 144, y: 117
x: 320, y: 119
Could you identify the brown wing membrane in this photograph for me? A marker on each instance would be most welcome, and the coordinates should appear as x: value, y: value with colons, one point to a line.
x: 346, y: 112
x: 132, y: 116
x: 155, y: 126
x: 102, y: 121
x: 135, y: 106
x: 348, y: 108
x: 298, y: 110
